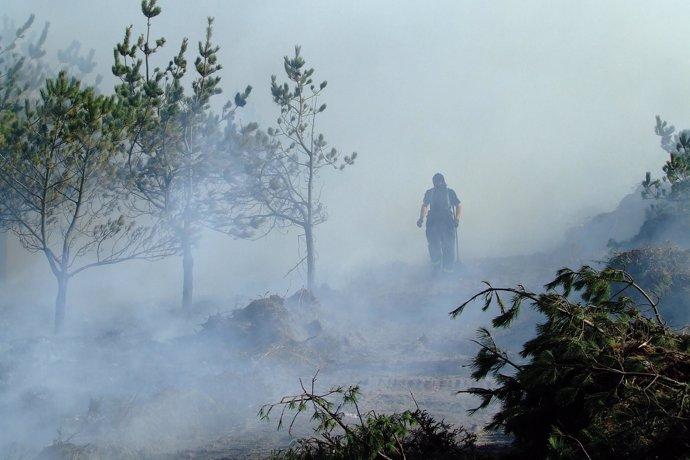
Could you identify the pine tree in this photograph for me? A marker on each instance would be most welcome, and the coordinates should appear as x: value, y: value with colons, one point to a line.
x: 23, y: 72
x: 675, y: 184
x: 177, y: 153
x: 603, y: 376
x: 59, y: 165
x: 285, y: 171
x: 668, y: 218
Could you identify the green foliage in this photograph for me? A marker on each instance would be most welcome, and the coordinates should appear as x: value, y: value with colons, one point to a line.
x: 175, y: 138
x: 677, y: 167
x: 58, y: 175
x: 24, y: 66
x: 180, y: 167
x: 79, y: 65
x: 666, y: 274
x: 285, y: 164
x: 406, y: 435
x: 600, y: 379
x: 22, y: 69
x: 668, y: 219
x: 60, y: 163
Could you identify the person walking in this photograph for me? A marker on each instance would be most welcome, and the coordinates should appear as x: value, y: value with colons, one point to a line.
x: 441, y: 208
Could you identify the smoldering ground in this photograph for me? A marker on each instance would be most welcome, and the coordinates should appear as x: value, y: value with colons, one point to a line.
x: 142, y: 380
x: 146, y: 380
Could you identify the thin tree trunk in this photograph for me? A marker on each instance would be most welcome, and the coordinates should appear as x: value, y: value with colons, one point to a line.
x: 309, y: 227
x: 60, y: 301
x: 311, y: 261
x: 187, y: 271
x: 3, y: 257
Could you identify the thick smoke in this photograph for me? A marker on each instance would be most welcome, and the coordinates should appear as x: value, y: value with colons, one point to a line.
x: 540, y: 117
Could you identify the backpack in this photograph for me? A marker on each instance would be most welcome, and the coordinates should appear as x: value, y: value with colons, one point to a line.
x: 440, y: 206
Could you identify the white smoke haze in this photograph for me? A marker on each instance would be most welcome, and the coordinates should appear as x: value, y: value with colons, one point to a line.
x: 540, y: 115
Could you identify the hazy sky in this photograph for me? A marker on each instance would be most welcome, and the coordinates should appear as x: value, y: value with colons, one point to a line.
x: 539, y: 113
